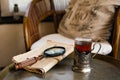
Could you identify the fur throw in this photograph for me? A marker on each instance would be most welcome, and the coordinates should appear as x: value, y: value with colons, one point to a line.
x: 88, y: 18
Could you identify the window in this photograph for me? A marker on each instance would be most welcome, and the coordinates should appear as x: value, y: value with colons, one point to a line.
x: 7, y: 6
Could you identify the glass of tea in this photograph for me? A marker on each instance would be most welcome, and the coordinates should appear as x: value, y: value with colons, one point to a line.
x: 82, y: 55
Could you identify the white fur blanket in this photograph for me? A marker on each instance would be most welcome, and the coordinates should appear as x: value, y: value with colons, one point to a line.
x: 88, y: 18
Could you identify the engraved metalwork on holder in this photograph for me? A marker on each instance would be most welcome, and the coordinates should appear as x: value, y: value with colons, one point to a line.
x: 82, y: 61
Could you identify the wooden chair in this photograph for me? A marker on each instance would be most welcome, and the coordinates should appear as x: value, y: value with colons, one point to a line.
x: 33, y: 16
x: 39, y: 9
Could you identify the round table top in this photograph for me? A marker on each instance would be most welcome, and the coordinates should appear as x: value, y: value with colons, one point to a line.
x: 103, y: 68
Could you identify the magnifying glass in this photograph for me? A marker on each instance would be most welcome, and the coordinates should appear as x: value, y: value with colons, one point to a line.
x: 54, y: 51
x: 50, y: 52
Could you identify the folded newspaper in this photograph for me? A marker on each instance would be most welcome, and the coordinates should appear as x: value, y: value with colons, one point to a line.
x: 46, y: 63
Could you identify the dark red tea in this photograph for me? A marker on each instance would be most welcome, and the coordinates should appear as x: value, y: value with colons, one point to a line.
x: 83, y: 46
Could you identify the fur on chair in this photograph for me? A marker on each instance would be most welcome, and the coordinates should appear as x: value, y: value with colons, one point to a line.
x: 89, y: 18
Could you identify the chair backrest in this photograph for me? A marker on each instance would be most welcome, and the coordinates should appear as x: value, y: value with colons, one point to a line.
x: 39, y: 10
x: 116, y: 36
x: 36, y: 12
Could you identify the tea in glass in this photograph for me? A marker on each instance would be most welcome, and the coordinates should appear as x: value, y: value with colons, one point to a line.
x: 82, y: 55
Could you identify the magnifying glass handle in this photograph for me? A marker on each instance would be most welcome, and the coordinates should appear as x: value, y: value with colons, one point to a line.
x: 28, y: 62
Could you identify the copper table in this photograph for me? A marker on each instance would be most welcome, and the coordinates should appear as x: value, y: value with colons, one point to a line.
x: 103, y: 68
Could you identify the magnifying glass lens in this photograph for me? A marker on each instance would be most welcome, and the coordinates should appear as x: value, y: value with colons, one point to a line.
x: 54, y: 51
